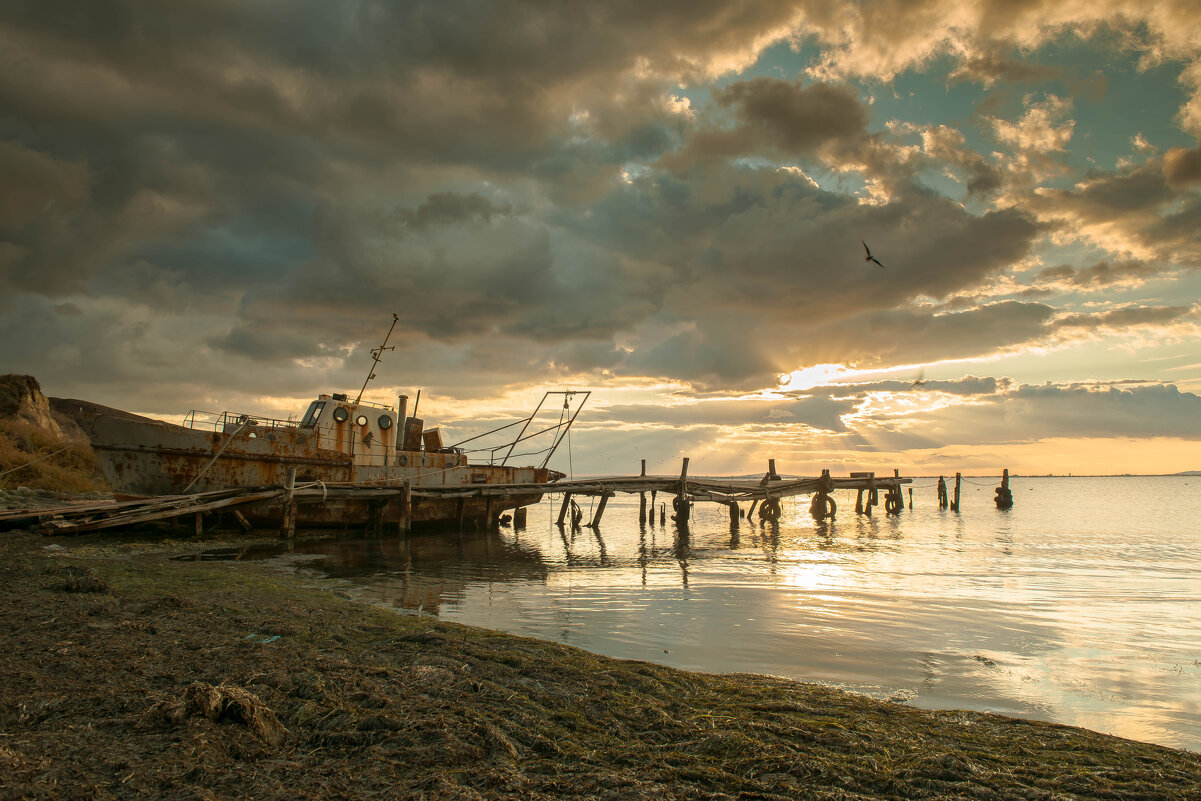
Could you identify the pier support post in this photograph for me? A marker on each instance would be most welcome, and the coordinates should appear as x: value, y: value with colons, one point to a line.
x: 873, y: 495
x: 489, y: 522
x: 894, y: 501
x: 288, y: 529
x: 681, y: 501
x: 859, y: 501
x: 375, y: 518
x: 200, y: 524
x: 942, y: 493
x: 771, y: 470
x: 600, y: 510
x: 406, y: 507
x: 563, y: 508
x: 955, y: 503
x: 651, y: 517
x: 911, y: 499
x: 734, y: 513
x: 642, y: 499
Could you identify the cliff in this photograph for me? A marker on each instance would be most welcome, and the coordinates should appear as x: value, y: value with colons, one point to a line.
x: 41, y: 448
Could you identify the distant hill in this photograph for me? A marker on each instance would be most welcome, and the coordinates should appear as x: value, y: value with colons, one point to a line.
x: 1189, y: 473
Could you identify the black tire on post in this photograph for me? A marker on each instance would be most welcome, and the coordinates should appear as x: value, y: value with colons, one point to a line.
x: 770, y: 509
x: 823, y: 506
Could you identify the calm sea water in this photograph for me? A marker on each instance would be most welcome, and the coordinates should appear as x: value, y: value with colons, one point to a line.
x: 1081, y: 605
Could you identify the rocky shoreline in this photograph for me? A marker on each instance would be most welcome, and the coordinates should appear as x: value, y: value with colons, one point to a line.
x: 129, y: 675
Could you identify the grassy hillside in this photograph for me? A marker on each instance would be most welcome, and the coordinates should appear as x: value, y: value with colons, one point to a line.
x: 40, y: 449
x: 32, y: 457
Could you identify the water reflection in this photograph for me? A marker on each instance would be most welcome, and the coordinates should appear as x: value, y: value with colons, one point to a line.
x: 1068, y: 607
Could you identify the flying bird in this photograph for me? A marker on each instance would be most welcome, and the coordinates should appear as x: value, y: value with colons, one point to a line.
x: 870, y: 257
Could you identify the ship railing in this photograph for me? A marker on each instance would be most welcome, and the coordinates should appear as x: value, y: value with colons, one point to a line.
x: 375, y: 405
x: 231, y: 421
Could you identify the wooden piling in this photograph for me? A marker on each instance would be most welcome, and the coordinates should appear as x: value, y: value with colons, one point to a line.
x: 651, y: 516
x: 406, y: 507
x: 200, y: 524
x: 1004, y: 497
x: 733, y: 513
x: 955, y: 503
x: 642, y: 499
x: 563, y: 508
x: 600, y: 510
x: 288, y: 529
x: 681, y: 504
x: 894, y: 502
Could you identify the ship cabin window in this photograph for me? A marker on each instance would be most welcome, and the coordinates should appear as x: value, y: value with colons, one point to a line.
x: 310, y: 417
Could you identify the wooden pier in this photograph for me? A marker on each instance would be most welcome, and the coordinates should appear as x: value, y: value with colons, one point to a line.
x: 763, y: 494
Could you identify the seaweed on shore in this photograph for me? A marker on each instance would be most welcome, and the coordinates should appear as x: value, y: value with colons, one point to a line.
x: 199, y: 680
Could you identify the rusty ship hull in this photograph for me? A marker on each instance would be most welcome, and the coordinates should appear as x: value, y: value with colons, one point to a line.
x: 142, y: 458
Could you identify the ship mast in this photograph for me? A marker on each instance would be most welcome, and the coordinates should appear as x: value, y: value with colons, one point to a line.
x: 375, y: 355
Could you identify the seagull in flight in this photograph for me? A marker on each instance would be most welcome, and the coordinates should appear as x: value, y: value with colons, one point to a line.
x: 870, y: 257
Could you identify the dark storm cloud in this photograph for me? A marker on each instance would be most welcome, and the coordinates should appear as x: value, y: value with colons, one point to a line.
x: 990, y: 68
x: 1182, y: 167
x: 145, y: 124
x: 448, y: 208
x: 455, y: 272
x: 1131, y: 209
x: 773, y: 116
x: 912, y: 336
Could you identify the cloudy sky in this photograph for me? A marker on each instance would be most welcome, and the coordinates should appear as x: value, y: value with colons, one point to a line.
x: 220, y: 204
